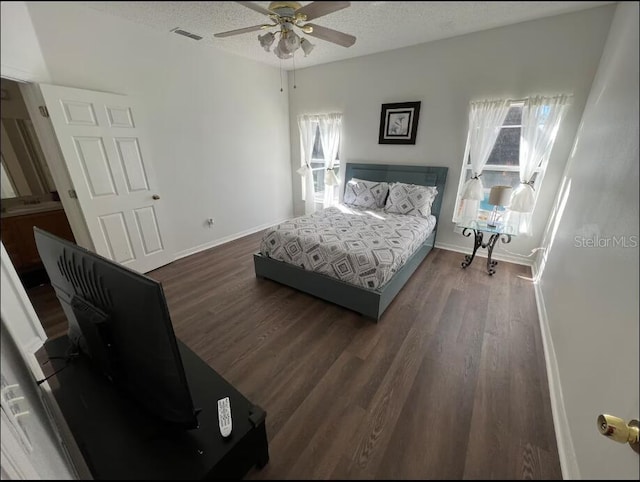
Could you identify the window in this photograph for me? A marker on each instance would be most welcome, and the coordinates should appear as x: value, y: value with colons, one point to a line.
x: 502, y: 168
x: 317, y: 166
x: 319, y: 134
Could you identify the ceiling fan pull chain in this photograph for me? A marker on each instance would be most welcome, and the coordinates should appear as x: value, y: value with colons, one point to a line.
x: 294, y: 72
x: 281, y: 75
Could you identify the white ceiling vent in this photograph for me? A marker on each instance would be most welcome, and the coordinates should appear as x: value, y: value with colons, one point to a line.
x: 179, y: 31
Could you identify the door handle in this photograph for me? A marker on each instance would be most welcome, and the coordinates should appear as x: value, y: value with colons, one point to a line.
x: 617, y: 429
x: 155, y: 196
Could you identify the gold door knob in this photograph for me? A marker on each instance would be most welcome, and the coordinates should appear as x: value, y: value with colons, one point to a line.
x: 617, y: 429
x: 155, y: 196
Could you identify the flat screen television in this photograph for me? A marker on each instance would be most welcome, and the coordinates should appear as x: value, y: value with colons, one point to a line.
x: 119, y: 319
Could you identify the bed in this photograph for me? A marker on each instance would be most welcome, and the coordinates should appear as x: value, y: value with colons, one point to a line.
x: 368, y: 293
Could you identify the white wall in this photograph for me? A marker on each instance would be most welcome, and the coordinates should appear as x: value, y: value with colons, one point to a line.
x: 590, y: 294
x: 553, y: 55
x: 20, y: 55
x: 21, y: 49
x: 219, y: 124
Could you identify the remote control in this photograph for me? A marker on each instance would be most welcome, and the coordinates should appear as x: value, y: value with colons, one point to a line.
x: 224, y: 416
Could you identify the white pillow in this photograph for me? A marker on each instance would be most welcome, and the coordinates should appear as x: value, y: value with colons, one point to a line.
x: 411, y: 199
x: 367, y: 194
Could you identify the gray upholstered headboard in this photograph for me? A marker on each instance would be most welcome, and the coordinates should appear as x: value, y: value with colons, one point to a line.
x: 423, y: 175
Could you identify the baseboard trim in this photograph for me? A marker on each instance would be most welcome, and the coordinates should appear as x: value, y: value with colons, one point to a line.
x: 482, y: 253
x: 226, y: 239
x: 566, y: 450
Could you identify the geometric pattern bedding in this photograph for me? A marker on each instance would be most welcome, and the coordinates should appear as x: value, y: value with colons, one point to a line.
x: 410, y: 199
x: 360, y: 246
x: 366, y: 194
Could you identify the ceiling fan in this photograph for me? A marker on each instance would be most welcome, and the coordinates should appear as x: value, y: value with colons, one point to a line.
x: 287, y: 15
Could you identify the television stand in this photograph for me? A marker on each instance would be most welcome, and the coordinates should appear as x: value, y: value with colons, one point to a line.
x: 119, y: 440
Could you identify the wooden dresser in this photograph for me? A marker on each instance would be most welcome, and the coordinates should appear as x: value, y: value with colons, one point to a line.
x: 17, y: 236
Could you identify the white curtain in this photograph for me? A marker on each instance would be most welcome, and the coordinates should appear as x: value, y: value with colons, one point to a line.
x: 541, y: 118
x: 307, y: 127
x: 330, y: 128
x: 485, y: 122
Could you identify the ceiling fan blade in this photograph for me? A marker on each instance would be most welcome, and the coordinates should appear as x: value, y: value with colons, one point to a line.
x: 242, y: 30
x: 256, y: 8
x: 320, y: 9
x: 331, y: 35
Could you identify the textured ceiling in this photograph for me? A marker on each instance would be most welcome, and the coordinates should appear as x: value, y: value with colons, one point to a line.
x: 378, y: 26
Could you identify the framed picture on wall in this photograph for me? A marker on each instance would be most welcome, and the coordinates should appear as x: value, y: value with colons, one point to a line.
x: 399, y: 123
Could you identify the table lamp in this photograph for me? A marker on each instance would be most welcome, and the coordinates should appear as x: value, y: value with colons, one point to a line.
x: 500, y: 196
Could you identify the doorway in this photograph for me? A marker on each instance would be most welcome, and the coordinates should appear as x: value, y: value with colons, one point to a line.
x: 29, y: 198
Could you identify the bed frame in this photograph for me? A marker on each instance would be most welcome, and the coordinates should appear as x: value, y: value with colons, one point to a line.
x: 370, y: 303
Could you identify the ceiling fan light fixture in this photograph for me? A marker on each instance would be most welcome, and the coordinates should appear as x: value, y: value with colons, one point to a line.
x: 306, y: 46
x: 281, y: 52
x: 287, y: 15
x: 266, y: 40
x: 292, y: 41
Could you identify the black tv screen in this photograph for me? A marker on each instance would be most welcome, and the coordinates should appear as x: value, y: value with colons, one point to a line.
x: 119, y: 318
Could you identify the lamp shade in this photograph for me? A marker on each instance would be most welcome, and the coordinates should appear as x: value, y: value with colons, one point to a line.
x: 281, y: 50
x: 307, y: 46
x: 266, y: 40
x: 292, y: 42
x: 500, y: 195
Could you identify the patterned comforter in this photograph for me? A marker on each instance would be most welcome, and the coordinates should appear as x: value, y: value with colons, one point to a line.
x: 358, y: 246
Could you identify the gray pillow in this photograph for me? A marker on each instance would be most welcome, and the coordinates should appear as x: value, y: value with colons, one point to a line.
x: 411, y: 199
x: 366, y: 194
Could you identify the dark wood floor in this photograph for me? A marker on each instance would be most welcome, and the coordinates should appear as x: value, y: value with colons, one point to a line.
x: 450, y: 384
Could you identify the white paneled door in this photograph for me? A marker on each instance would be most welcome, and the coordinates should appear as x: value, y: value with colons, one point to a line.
x: 111, y: 170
